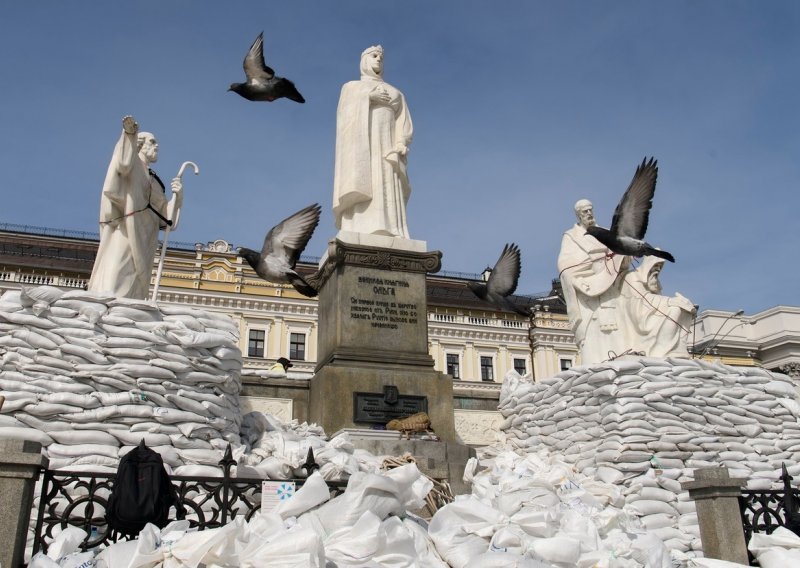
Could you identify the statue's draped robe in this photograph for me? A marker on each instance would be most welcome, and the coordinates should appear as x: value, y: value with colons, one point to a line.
x: 370, y: 189
x: 592, y: 287
x: 124, y: 262
x: 658, y: 329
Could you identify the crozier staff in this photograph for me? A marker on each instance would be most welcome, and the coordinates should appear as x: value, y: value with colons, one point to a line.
x: 133, y: 207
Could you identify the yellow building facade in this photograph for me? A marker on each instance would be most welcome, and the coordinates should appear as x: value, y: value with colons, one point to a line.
x: 468, y: 339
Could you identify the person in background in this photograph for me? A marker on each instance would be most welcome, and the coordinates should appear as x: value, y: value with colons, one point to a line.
x: 281, y: 366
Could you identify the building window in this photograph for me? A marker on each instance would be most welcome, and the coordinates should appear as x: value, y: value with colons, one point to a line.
x: 297, y: 346
x: 487, y: 370
x: 452, y: 366
x: 565, y: 364
x: 519, y: 366
x: 255, y: 343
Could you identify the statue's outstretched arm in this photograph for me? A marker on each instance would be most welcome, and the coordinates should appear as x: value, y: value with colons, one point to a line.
x: 127, y: 148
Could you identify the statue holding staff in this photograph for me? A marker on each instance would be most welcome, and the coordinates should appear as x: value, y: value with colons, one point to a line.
x: 133, y: 207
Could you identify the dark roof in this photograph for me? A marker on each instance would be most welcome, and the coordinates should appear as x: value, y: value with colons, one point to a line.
x: 75, y: 251
x: 451, y: 292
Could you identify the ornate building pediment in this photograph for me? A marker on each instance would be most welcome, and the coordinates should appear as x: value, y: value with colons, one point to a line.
x: 218, y: 245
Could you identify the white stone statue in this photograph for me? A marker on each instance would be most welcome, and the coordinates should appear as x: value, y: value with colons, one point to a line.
x: 133, y: 207
x: 613, y: 310
x: 592, y: 284
x: 373, y: 132
x: 659, y: 324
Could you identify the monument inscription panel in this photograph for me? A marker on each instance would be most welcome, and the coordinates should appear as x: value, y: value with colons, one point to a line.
x: 373, y: 306
x: 377, y: 300
x: 381, y: 310
x: 373, y: 408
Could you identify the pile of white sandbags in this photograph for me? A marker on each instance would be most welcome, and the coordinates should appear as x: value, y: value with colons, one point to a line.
x: 647, y: 424
x: 90, y: 376
x: 276, y: 450
x: 536, y: 510
x: 365, y: 526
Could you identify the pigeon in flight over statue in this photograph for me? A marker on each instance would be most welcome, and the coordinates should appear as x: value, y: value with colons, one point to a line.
x: 282, y: 248
x: 629, y: 225
x: 502, y: 282
x: 262, y: 83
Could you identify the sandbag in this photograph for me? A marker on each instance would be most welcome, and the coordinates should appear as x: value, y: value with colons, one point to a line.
x: 312, y: 493
x: 357, y: 544
x: 80, y: 450
x: 26, y: 434
x: 461, y: 530
x: 296, y: 547
x: 74, y: 437
x: 190, y: 338
x: 381, y: 494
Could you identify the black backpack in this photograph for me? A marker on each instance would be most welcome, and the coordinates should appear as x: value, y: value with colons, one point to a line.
x: 142, y: 492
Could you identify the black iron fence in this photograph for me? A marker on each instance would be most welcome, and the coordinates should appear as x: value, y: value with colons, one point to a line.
x: 763, y: 511
x: 79, y: 499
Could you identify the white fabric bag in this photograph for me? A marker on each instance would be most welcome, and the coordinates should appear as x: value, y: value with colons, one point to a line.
x: 312, y: 493
x: 461, y: 530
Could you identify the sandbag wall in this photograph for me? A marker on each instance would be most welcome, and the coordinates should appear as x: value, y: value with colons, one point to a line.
x: 90, y: 376
x: 646, y: 424
x: 535, y: 510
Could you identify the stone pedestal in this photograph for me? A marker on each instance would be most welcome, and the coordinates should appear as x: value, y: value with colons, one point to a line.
x: 381, y: 241
x: 716, y: 496
x: 20, y: 463
x: 373, y: 341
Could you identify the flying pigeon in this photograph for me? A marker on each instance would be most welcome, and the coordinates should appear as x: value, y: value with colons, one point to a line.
x: 502, y: 282
x: 629, y: 224
x: 262, y: 83
x: 282, y: 248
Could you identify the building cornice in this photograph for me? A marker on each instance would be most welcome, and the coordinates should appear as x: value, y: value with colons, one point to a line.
x: 239, y: 304
x: 465, y: 388
x: 435, y: 332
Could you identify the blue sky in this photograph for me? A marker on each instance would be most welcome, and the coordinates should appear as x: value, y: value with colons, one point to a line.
x: 520, y: 108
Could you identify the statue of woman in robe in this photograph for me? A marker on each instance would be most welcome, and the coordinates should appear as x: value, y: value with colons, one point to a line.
x: 373, y: 132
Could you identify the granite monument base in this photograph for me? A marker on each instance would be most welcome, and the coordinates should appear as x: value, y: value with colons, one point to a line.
x: 337, y: 392
x: 373, y: 363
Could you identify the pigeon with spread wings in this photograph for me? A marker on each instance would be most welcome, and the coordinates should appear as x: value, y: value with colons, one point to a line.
x: 629, y: 224
x: 282, y: 248
x: 262, y: 83
x: 502, y: 282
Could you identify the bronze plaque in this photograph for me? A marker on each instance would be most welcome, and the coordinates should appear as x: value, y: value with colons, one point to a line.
x: 380, y: 408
